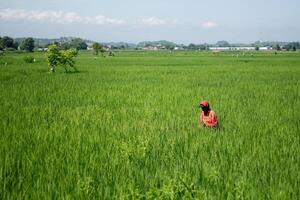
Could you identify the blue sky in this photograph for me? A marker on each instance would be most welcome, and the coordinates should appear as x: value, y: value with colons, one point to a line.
x: 188, y: 21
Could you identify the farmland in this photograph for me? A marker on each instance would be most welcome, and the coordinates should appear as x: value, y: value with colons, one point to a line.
x: 125, y: 127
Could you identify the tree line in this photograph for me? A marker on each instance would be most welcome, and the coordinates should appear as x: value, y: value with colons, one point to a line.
x: 8, y: 43
x: 28, y: 44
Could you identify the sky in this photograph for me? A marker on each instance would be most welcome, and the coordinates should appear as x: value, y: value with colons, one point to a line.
x: 180, y: 21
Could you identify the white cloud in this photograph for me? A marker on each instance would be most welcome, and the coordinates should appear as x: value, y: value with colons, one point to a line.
x: 100, y: 19
x: 59, y: 17
x: 209, y: 24
x: 153, y: 21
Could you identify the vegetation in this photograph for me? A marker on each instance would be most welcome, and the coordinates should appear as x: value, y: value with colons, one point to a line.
x: 97, y: 47
x: 195, y: 47
x: 126, y: 127
x: 53, y: 57
x: 67, y: 59
x: 223, y: 44
x: 64, y: 58
x: 167, y: 44
x: 27, y: 45
x: 78, y: 44
x: 75, y: 43
x: 277, y: 47
x: 65, y: 43
x: 8, y: 43
x: 292, y: 46
x: 29, y: 59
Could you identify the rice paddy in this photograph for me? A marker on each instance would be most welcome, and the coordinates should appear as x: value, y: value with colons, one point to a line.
x: 126, y: 127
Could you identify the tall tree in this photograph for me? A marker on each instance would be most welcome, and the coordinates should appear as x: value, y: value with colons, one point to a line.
x: 8, y: 42
x: 192, y: 46
x: 65, y: 45
x: 78, y: 44
x: 96, y: 46
x: 102, y: 50
x: 27, y: 44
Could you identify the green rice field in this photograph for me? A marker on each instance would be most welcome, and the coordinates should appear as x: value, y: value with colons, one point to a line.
x: 126, y: 127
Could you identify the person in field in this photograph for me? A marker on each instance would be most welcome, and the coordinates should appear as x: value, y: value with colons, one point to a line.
x: 208, y: 117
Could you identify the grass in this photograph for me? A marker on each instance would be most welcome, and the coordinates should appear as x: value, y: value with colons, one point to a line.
x: 125, y: 127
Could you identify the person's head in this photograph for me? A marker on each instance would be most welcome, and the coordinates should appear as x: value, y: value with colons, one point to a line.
x: 204, y: 105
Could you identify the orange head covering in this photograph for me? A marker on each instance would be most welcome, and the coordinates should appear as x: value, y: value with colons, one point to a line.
x: 204, y: 103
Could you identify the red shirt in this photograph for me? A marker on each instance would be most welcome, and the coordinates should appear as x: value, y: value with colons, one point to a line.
x: 209, y: 120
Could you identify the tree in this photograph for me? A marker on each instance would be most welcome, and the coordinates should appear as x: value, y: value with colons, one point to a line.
x: 256, y: 44
x: 292, y: 46
x: 170, y: 46
x: 192, y: 46
x: 277, y: 47
x: 96, y: 46
x: 15, y: 45
x: 27, y: 44
x: 78, y: 44
x: 8, y: 43
x: 65, y: 46
x: 257, y: 48
x: 64, y: 58
x: 223, y: 44
x: 287, y: 47
x: 102, y: 51
x: 53, y: 57
x: 202, y: 47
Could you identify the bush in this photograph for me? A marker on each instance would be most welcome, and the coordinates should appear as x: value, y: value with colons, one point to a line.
x: 29, y: 59
x: 64, y: 58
